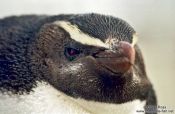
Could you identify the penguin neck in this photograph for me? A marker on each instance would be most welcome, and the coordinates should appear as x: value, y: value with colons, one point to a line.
x: 46, y: 99
x: 43, y: 100
x: 130, y: 107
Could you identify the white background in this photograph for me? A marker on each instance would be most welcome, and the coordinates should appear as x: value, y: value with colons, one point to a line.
x: 154, y: 21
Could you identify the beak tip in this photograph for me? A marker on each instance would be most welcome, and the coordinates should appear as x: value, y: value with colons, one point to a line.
x: 128, y: 51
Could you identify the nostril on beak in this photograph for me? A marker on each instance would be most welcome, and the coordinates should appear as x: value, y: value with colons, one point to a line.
x: 119, y: 61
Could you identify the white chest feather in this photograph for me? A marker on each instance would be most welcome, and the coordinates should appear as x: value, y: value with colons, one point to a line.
x: 47, y: 100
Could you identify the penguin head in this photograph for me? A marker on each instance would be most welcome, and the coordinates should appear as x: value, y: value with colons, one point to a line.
x: 90, y: 56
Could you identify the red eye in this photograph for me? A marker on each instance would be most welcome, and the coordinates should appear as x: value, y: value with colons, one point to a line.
x: 71, y: 53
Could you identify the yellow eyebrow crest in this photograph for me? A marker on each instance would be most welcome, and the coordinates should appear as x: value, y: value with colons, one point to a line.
x: 134, y: 39
x: 83, y: 38
x: 77, y: 35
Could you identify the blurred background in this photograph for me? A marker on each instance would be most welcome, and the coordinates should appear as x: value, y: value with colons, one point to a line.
x: 154, y: 21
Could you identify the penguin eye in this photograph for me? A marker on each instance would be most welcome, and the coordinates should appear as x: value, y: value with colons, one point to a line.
x: 71, y: 53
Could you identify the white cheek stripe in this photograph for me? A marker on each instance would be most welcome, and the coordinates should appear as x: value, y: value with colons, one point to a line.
x: 77, y: 35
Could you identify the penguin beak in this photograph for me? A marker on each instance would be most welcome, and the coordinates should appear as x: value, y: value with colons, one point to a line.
x: 118, y: 60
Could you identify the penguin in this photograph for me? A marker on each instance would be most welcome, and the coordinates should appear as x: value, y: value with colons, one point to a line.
x: 72, y: 64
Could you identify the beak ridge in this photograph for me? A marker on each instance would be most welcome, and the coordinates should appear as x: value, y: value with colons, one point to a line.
x: 119, y: 60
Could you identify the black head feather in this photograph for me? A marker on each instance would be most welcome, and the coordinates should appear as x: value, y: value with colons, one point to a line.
x: 32, y: 48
